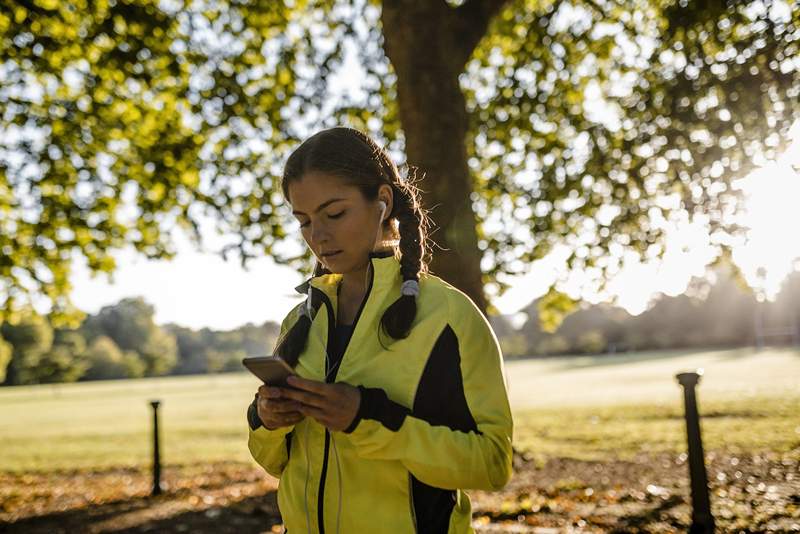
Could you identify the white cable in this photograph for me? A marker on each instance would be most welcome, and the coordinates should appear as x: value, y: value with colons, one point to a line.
x: 378, y: 240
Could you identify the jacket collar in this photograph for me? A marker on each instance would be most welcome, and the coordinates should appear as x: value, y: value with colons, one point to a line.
x: 385, y: 268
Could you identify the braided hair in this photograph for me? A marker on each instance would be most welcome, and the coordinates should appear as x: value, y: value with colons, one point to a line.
x: 359, y: 161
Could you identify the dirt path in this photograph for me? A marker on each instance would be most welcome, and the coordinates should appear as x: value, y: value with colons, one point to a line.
x: 750, y: 493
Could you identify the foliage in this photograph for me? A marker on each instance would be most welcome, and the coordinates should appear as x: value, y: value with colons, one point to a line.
x: 6, y: 351
x: 591, y: 124
x: 591, y: 342
x: 131, y: 325
x: 206, y: 350
x: 31, y: 339
x: 553, y: 307
x: 597, y: 123
x: 718, y: 314
x: 106, y: 361
x: 123, y: 342
x: 65, y: 361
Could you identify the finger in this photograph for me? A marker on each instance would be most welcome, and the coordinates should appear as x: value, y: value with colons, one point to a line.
x: 269, y: 392
x: 304, y: 397
x: 277, y: 405
x: 317, y: 413
x: 294, y: 419
x: 314, y: 386
x: 284, y: 406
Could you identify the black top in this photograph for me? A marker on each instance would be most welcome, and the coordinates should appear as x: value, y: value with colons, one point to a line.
x: 341, y: 337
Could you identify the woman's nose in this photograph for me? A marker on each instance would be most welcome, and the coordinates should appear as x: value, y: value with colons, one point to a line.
x: 318, y: 233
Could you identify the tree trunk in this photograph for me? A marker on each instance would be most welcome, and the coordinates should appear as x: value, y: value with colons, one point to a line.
x: 428, y: 43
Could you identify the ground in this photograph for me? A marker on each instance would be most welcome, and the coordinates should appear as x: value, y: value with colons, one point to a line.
x: 602, y: 450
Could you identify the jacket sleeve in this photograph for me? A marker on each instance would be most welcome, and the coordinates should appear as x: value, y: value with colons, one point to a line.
x: 437, y: 455
x: 269, y: 448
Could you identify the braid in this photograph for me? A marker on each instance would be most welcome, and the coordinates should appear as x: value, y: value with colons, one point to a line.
x: 294, y: 342
x: 413, y: 224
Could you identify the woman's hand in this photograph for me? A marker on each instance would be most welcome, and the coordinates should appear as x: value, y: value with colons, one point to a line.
x: 275, y: 410
x: 332, y: 405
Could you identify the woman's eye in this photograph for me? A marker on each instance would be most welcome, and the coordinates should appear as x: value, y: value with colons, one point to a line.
x: 330, y: 216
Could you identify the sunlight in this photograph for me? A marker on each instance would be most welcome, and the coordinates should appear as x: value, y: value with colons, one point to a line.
x: 771, y: 213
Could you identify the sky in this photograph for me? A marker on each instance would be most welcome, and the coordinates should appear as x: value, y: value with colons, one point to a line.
x: 199, y: 289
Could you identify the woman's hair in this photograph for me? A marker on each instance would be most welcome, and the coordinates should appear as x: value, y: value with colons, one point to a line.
x: 359, y: 161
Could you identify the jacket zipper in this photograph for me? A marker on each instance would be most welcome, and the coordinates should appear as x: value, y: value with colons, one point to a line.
x: 330, y: 379
x: 411, y: 503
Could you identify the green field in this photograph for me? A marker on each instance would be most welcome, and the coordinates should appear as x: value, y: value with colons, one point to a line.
x: 566, y: 407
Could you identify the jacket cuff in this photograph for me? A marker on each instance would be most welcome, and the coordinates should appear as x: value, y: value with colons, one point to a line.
x: 376, y: 405
x: 253, y: 420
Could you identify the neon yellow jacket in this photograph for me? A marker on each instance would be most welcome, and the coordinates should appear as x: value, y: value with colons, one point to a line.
x: 434, y: 417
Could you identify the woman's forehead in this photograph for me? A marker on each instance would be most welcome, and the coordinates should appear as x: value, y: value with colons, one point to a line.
x: 315, y: 188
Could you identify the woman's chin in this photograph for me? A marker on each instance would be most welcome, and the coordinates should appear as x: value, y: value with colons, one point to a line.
x: 333, y: 263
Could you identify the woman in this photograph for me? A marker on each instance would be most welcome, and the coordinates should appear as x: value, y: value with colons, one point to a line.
x: 399, y: 403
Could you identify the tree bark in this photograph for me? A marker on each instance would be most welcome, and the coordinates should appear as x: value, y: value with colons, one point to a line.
x: 428, y: 43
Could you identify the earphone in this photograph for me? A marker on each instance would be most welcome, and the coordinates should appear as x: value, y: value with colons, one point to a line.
x: 383, y: 206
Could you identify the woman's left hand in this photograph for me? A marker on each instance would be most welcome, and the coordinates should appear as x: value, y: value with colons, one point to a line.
x: 332, y: 405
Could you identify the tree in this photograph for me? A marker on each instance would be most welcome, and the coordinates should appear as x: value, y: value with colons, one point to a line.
x: 131, y: 326
x: 107, y: 361
x: 65, y: 361
x: 31, y: 338
x: 5, y: 357
x: 208, y: 350
x: 533, y: 123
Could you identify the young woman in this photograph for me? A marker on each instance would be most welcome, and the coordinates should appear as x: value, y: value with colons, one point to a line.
x: 399, y: 401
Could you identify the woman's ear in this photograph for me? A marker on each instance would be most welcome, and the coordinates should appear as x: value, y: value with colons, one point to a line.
x: 385, y: 195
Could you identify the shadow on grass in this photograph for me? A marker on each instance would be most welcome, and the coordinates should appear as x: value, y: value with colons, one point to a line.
x: 161, y: 514
x: 652, y: 516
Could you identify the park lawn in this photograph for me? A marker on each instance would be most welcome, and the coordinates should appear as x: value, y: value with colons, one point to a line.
x: 758, y: 424
x: 587, y: 408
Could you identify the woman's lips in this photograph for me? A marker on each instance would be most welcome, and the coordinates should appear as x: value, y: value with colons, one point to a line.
x: 328, y: 255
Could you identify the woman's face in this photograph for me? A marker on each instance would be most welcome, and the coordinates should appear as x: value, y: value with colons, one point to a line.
x: 338, y: 224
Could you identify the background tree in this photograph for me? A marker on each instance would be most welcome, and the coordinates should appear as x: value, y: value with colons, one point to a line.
x: 106, y: 361
x: 131, y: 326
x: 534, y: 123
x: 31, y: 338
x: 206, y: 350
x: 5, y: 358
x: 65, y: 361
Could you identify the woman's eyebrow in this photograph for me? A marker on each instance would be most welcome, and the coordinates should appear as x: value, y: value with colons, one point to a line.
x: 321, y: 206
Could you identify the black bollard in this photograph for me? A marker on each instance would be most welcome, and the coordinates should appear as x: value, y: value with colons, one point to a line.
x: 702, y: 520
x: 156, y: 452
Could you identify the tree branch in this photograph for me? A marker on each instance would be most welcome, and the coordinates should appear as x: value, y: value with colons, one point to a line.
x: 471, y: 21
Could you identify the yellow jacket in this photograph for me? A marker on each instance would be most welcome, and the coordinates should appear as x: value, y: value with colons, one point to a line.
x: 434, y: 417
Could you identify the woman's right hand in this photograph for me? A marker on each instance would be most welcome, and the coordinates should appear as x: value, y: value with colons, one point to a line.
x: 275, y: 410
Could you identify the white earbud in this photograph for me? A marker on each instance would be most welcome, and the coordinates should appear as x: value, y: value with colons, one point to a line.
x: 383, y: 206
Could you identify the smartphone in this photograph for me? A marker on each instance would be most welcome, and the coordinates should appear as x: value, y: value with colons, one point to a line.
x: 272, y: 370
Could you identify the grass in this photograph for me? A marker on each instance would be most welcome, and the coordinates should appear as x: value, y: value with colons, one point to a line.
x: 752, y: 424
x: 619, y: 406
x: 596, y: 407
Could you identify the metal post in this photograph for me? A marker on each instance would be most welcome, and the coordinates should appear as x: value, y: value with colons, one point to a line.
x: 156, y: 451
x: 702, y: 520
